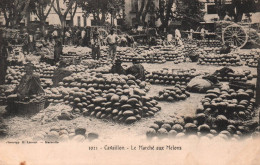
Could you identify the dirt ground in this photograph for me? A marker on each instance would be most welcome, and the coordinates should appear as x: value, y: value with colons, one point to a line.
x: 23, y: 128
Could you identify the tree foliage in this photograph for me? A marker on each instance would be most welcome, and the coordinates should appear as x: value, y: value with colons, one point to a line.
x: 236, y: 9
x: 14, y: 10
x: 242, y: 6
x: 41, y: 8
x: 100, y: 9
x: 188, y: 12
x: 62, y: 8
x: 165, y: 12
x: 146, y: 6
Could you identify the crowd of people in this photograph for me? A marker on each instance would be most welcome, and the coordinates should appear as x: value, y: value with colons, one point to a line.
x: 82, y: 37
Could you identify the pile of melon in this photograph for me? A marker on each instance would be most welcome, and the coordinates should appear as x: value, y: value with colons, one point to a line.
x: 173, y: 94
x: 223, y: 113
x: 43, y: 70
x: 210, y: 43
x: 244, y: 76
x: 64, y: 134
x: 253, y: 62
x: 14, y: 74
x: 2, y: 95
x: 220, y: 59
x: 249, y: 56
x: 106, y: 96
x: 166, y: 77
x: 201, y: 126
x: 77, y: 68
x: 234, y: 104
x: 172, y: 55
x: 246, y: 56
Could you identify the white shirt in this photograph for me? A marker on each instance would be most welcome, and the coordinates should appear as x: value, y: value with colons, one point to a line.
x: 112, y: 39
x: 190, y: 36
x: 202, y: 32
x: 177, y: 34
x: 169, y: 37
x: 67, y: 34
x: 83, y: 33
x: 31, y: 38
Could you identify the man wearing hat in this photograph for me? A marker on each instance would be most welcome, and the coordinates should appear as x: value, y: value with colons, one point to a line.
x: 30, y: 83
x: 57, y: 50
x: 95, y: 42
x: 112, y: 40
x: 225, y: 48
x: 117, y: 68
x: 136, y: 70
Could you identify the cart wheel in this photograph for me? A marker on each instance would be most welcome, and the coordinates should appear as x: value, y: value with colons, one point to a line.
x: 236, y: 35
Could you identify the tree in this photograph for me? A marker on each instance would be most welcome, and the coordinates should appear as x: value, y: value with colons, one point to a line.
x: 188, y: 12
x: 221, y: 9
x: 72, y: 13
x: 101, y: 8
x: 146, y: 6
x: 14, y: 10
x: 241, y: 7
x: 165, y: 12
x: 236, y: 10
x: 42, y: 9
x: 115, y: 8
x: 62, y: 9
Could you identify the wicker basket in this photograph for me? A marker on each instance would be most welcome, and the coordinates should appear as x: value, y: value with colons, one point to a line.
x: 25, y: 108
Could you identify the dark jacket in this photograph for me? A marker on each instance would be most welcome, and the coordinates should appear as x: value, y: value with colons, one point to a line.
x: 117, y: 69
x: 137, y: 70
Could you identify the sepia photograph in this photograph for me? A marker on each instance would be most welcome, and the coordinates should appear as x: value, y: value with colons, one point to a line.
x: 129, y: 82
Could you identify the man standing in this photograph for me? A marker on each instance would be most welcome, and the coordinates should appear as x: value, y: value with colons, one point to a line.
x: 202, y: 33
x: 83, y: 35
x: 177, y: 36
x: 112, y: 40
x: 95, y: 42
x: 57, y: 50
x: 190, y: 35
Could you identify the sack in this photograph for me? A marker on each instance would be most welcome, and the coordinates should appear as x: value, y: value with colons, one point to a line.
x: 199, y: 85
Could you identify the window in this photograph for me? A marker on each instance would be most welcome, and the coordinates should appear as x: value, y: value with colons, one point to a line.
x: 211, y: 9
x: 85, y: 21
x: 79, y: 21
x: 134, y: 5
x: 134, y: 21
x: 93, y: 23
x: 120, y: 22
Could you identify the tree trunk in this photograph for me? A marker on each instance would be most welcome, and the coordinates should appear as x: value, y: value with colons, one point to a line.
x: 7, y: 20
x: 7, y: 23
x: 103, y: 18
x: 161, y: 12
x: 146, y: 10
x: 71, y: 20
x: 139, y: 12
x: 167, y: 17
x: 63, y: 22
x: 42, y: 23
